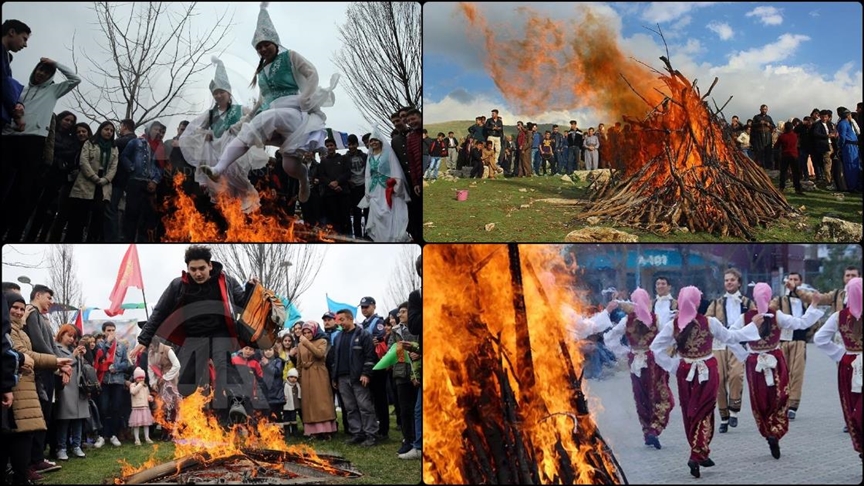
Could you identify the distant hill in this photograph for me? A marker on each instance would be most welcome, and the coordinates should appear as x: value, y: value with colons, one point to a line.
x: 460, y: 128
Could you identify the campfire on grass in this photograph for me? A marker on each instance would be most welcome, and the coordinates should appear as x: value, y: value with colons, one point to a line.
x: 683, y: 170
x: 506, y: 393
x: 270, y: 222
x: 245, y: 454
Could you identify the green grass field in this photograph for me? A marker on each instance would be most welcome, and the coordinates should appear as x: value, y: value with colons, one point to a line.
x: 517, y: 208
x: 378, y: 464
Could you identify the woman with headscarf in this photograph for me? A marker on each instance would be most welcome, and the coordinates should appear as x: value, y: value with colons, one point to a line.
x: 288, y: 111
x: 684, y: 346
x: 386, y: 193
x: 318, y: 411
x: 91, y: 192
x: 17, y: 444
x: 204, y: 140
x: 765, y: 365
x: 654, y: 400
x: 848, y: 355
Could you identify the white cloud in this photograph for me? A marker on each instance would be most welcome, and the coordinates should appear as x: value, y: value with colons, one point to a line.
x: 767, y: 15
x: 777, y: 51
x: 814, y: 13
x: 722, y: 29
x: 658, y: 12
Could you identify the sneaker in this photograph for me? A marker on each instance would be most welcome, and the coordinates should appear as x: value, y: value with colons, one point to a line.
x: 724, y: 427
x: 652, y: 440
x: 733, y: 421
x: 34, y: 476
x: 405, y: 448
x: 115, y: 441
x: 99, y: 442
x: 148, y: 441
x: 77, y: 452
x: 46, y: 466
x: 791, y: 414
x: 412, y: 454
x: 137, y: 442
x: 62, y: 456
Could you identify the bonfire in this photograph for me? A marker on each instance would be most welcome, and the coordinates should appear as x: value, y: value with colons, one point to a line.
x: 683, y: 170
x: 184, y: 223
x: 506, y: 397
x: 253, y: 453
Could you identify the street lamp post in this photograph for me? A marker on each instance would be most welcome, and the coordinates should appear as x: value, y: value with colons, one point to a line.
x: 286, y: 264
x: 24, y: 279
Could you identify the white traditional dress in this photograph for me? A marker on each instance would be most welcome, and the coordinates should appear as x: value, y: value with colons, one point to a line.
x: 386, y: 195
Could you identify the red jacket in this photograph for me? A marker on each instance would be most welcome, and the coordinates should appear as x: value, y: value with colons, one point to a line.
x: 415, y: 154
x: 789, y: 144
x: 255, y: 366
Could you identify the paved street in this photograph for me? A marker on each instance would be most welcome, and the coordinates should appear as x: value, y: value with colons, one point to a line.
x: 814, y: 451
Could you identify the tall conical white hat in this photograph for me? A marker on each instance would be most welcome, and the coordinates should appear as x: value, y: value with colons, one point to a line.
x: 220, y: 80
x: 265, y: 30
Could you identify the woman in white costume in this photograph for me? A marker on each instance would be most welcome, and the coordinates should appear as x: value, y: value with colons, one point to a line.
x: 288, y: 113
x: 206, y: 137
x: 386, y: 193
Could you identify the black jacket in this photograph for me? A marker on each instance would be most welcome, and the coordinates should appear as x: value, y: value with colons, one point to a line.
x: 362, y: 353
x: 168, y: 315
x: 819, y: 137
x: 415, y: 315
x: 335, y: 168
x: 273, y: 385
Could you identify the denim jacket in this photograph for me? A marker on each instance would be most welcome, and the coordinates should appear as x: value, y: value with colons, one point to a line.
x: 140, y: 162
x: 121, y: 364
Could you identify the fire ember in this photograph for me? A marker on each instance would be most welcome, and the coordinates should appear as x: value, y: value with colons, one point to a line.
x: 244, y: 454
x: 506, y: 396
x: 683, y: 170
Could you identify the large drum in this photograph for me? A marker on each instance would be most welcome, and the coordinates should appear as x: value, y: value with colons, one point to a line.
x: 262, y: 319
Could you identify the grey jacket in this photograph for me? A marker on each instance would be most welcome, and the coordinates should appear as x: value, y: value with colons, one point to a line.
x: 71, y: 403
x: 38, y: 329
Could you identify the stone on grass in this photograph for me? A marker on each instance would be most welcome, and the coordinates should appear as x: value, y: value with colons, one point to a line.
x: 838, y: 230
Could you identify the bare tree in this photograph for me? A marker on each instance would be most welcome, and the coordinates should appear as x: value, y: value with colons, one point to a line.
x: 148, y: 60
x: 404, y: 278
x: 12, y: 254
x: 268, y: 263
x: 381, y: 57
x: 64, y: 282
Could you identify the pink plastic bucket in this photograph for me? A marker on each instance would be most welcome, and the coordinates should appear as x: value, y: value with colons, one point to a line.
x: 461, y: 195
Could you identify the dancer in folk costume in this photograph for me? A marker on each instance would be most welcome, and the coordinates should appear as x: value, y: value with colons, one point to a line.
x: 765, y: 365
x: 386, y: 193
x: 849, y: 373
x: 691, y: 335
x: 654, y: 400
x: 206, y: 137
x: 288, y: 113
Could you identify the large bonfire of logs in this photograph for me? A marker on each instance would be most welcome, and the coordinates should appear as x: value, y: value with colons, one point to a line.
x: 683, y: 170
x: 510, y: 420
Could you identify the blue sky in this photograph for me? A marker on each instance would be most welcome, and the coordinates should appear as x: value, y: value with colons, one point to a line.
x: 791, y: 56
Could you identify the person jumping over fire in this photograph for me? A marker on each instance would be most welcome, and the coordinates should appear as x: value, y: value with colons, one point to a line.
x: 288, y: 112
x: 654, y: 400
x: 683, y: 346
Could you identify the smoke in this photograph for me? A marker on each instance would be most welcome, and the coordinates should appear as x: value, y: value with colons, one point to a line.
x: 549, y: 64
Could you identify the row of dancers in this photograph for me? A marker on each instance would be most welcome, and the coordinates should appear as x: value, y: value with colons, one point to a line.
x: 678, y: 339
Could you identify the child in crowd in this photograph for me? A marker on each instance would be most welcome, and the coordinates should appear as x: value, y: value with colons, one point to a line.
x: 141, y: 398
x: 272, y: 366
x: 546, y: 152
x: 292, y: 402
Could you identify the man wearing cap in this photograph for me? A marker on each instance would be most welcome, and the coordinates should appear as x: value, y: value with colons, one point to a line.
x: 374, y: 325
x: 143, y: 159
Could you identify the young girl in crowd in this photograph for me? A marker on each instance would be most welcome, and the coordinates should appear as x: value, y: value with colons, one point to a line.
x: 272, y: 366
x: 141, y: 398
x: 292, y: 402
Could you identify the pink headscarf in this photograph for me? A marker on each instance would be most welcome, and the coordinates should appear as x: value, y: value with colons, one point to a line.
x: 688, y: 305
x: 642, y: 309
x: 853, y: 297
x: 762, y: 295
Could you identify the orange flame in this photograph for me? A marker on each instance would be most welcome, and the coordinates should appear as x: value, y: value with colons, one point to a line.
x: 271, y: 223
x: 561, y: 64
x: 472, y: 284
x: 196, y: 431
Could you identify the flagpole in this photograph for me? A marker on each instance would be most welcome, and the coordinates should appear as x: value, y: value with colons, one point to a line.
x: 146, y: 312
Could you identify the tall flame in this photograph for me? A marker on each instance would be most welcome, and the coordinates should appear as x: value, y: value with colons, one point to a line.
x: 561, y: 65
x: 472, y: 285
x: 197, y: 431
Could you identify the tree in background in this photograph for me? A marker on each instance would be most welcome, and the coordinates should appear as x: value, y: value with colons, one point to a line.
x: 404, y: 278
x: 381, y: 57
x: 150, y: 53
x: 63, y: 281
x: 268, y: 263
x: 839, y: 257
